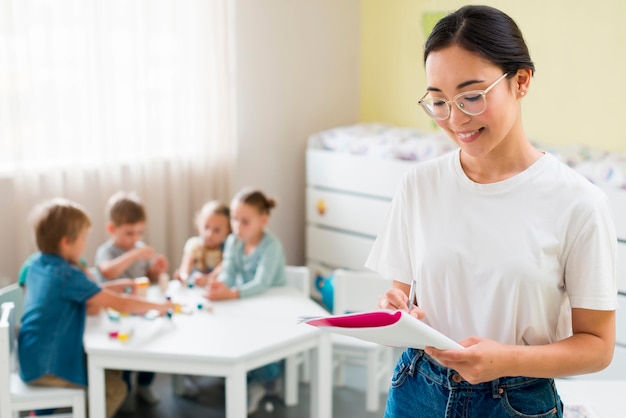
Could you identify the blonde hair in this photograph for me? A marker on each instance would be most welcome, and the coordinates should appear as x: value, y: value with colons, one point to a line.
x: 212, y: 207
x: 255, y: 198
x: 56, y: 219
x: 125, y: 208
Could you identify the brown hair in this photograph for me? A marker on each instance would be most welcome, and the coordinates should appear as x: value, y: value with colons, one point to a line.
x: 125, y: 208
x: 56, y: 219
x: 212, y: 207
x: 255, y: 198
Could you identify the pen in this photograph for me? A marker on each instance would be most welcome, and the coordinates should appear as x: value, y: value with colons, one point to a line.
x: 411, y: 300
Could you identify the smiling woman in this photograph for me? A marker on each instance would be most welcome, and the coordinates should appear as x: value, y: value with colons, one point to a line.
x: 128, y: 95
x: 512, y: 253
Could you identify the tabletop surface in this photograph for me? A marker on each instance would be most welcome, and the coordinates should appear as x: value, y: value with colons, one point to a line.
x: 233, y: 330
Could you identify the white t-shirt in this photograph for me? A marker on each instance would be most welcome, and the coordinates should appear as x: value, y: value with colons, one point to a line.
x: 503, y: 260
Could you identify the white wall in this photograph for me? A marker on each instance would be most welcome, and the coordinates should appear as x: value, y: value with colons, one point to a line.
x: 297, y: 73
x: 298, y: 67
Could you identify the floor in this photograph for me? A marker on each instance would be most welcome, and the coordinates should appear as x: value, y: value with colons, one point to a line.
x: 347, y: 402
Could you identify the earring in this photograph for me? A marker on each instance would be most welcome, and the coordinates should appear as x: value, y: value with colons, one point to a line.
x: 522, y: 93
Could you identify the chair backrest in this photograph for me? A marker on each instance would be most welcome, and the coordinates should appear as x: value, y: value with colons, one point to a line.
x: 14, y: 293
x: 6, y: 332
x: 357, y: 291
x: 299, y: 277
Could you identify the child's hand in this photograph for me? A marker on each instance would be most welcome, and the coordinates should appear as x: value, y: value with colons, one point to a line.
x: 201, y: 279
x: 219, y: 291
x: 212, y: 276
x: 167, y: 306
x: 159, y: 264
x: 144, y: 253
x: 177, y: 275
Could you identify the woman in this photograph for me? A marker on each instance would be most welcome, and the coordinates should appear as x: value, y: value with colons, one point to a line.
x: 513, y: 253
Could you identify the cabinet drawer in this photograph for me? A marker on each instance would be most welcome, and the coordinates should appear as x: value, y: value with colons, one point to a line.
x: 335, y: 248
x: 359, y: 214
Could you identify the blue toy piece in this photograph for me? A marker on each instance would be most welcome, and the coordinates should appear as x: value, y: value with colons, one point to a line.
x: 325, y: 286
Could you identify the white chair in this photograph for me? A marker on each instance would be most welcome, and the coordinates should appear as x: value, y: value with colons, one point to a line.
x: 356, y: 291
x: 299, y: 277
x: 14, y: 293
x: 15, y: 395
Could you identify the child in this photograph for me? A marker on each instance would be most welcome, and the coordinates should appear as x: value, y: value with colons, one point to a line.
x: 124, y: 255
x: 55, y: 304
x: 202, y: 258
x: 253, y: 257
x: 202, y: 255
x: 253, y: 261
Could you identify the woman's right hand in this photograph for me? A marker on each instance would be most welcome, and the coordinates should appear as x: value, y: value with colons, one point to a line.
x: 396, y: 299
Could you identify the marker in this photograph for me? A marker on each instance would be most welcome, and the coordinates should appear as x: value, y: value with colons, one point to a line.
x: 411, y: 300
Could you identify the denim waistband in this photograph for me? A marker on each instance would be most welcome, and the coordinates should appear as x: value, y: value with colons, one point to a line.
x: 444, y: 376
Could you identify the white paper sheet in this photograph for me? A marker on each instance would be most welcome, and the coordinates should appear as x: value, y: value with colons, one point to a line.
x: 390, y: 328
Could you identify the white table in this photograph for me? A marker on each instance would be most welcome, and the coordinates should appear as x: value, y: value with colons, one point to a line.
x: 603, y: 397
x: 238, y: 336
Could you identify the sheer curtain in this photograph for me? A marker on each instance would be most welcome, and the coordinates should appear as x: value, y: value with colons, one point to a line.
x: 98, y: 96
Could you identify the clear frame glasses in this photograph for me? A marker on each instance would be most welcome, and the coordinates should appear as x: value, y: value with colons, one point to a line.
x: 472, y: 103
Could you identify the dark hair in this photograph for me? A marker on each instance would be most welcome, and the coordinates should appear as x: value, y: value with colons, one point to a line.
x: 255, y: 198
x: 125, y: 208
x: 56, y: 219
x: 486, y: 31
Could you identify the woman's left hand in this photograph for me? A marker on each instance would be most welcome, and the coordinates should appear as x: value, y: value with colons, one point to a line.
x: 482, y: 360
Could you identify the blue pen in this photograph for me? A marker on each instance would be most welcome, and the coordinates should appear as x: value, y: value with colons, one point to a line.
x: 411, y: 300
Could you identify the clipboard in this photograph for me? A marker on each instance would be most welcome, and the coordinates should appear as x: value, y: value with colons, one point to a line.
x: 386, y: 327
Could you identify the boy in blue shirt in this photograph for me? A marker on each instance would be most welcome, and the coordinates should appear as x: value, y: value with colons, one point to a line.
x: 50, y: 341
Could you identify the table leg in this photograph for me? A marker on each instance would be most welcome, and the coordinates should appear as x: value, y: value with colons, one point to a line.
x: 291, y: 379
x: 236, y: 393
x: 321, y: 381
x: 97, y: 391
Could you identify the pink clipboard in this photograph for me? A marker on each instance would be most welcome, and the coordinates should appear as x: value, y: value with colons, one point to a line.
x: 390, y: 328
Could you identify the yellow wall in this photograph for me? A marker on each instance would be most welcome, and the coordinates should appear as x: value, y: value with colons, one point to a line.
x: 578, y: 94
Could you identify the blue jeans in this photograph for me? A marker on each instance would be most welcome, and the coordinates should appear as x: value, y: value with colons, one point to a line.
x: 422, y: 388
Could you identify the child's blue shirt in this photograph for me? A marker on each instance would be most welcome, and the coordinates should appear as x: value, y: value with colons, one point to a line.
x: 253, y: 273
x: 50, y: 340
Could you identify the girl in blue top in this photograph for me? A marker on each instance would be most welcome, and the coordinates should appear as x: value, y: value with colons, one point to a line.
x: 253, y: 257
x: 253, y: 262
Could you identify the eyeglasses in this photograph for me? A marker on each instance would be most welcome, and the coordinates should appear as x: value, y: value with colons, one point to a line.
x: 471, y: 103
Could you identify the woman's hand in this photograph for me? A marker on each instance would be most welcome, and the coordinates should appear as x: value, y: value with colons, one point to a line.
x: 397, y: 298
x: 482, y: 360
